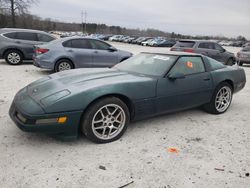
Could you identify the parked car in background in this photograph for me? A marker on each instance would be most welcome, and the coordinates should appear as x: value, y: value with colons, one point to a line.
x: 101, y: 102
x: 164, y: 43
x: 130, y: 39
x: 17, y: 45
x: 77, y: 52
x: 246, y: 44
x: 147, y: 42
x: 237, y: 43
x: 156, y: 41
x: 143, y: 39
x: 115, y: 38
x: 243, y: 56
x: 208, y: 48
x: 137, y: 40
x: 226, y: 43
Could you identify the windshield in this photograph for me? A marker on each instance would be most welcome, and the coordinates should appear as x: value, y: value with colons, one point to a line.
x: 149, y: 64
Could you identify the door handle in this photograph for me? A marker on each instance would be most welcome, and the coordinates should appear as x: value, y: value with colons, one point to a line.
x: 206, y: 79
x: 96, y: 52
x: 18, y: 42
x: 70, y: 51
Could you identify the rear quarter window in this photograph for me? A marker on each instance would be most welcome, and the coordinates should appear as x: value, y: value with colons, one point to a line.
x: 185, y: 44
x: 214, y: 65
x: 11, y: 35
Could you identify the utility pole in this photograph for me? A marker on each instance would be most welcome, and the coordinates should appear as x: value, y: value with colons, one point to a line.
x: 84, y: 16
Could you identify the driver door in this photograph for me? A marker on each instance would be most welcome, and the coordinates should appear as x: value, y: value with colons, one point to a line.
x: 191, y: 89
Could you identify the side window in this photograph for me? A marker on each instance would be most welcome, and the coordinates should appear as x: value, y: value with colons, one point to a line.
x: 67, y: 44
x: 10, y: 35
x: 95, y: 44
x: 44, y: 38
x: 188, y: 65
x: 80, y: 43
x: 215, y: 64
x: 26, y: 36
x: 206, y: 45
x: 218, y: 47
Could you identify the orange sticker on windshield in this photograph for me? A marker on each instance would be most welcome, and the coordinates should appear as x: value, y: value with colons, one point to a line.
x: 173, y: 150
x: 190, y: 64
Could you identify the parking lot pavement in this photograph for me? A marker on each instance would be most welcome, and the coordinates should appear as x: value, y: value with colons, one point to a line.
x: 208, y: 150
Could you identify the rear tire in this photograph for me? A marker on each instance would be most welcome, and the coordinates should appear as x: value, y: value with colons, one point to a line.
x: 13, y: 57
x: 221, y: 99
x: 63, y: 64
x: 105, y: 120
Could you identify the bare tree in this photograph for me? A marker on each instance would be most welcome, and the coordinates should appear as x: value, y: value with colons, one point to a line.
x: 16, y: 7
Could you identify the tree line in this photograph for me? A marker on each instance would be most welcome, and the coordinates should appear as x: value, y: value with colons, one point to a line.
x: 14, y: 13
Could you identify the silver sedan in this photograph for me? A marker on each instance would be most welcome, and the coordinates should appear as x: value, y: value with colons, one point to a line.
x: 77, y: 52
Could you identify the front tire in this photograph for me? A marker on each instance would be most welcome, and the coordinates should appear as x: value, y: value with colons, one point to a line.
x: 63, y: 64
x: 105, y: 120
x: 230, y: 62
x: 13, y: 57
x: 221, y: 99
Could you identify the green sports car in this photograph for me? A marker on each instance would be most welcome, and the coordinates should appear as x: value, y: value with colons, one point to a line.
x: 100, y: 102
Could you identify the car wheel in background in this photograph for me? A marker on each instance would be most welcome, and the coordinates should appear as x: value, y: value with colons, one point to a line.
x: 13, y: 57
x: 63, y: 64
x: 230, y: 62
x: 105, y: 120
x: 221, y: 99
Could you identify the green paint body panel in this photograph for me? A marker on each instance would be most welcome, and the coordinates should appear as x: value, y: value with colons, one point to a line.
x: 69, y: 93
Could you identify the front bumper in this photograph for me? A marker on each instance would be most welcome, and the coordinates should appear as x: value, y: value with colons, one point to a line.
x: 27, y: 122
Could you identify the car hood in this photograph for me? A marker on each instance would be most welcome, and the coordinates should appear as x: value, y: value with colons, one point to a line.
x: 60, y: 85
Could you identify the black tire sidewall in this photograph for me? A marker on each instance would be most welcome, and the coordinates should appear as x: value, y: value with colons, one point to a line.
x: 86, y: 123
x: 13, y: 51
x: 60, y: 61
x: 230, y: 61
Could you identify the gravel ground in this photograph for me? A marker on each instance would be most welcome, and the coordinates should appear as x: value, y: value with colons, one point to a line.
x: 212, y: 151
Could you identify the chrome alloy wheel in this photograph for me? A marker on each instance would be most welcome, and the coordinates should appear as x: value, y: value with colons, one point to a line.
x: 14, y: 58
x: 64, y: 66
x: 108, y: 121
x: 223, y: 99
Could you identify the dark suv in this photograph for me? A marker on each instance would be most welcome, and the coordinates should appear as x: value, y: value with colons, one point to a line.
x: 17, y: 45
x: 208, y: 48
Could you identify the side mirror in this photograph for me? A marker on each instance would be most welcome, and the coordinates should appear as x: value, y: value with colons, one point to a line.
x: 223, y: 50
x: 176, y: 76
x: 112, y: 49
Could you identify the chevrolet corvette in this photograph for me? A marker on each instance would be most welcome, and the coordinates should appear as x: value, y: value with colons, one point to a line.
x: 101, y: 102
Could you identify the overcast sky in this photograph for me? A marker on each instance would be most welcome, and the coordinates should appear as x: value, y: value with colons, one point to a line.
x: 197, y: 17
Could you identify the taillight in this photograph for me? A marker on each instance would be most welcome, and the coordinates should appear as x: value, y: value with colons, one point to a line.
x: 172, y: 49
x: 41, y: 50
x: 188, y: 50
